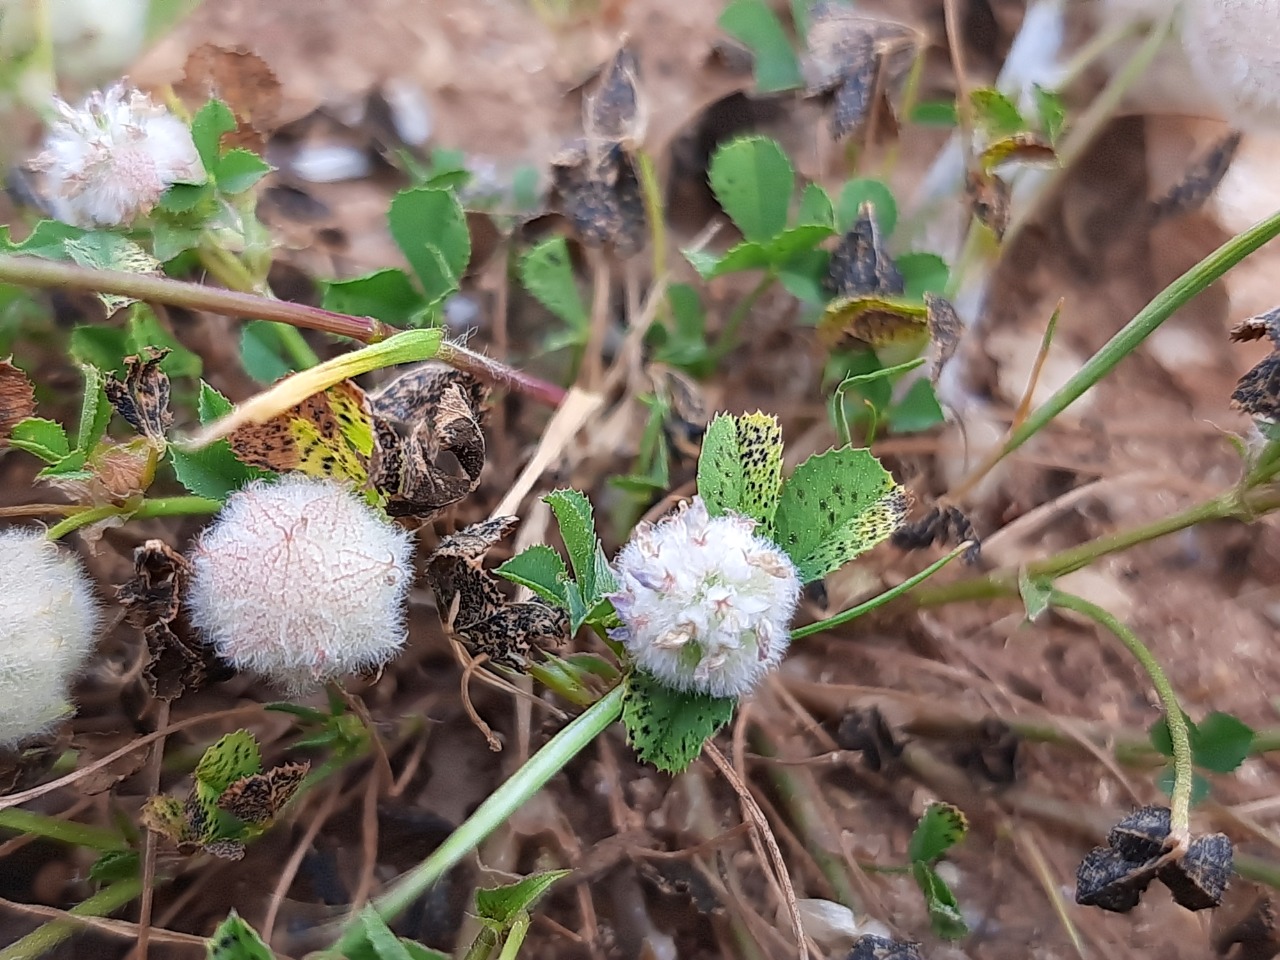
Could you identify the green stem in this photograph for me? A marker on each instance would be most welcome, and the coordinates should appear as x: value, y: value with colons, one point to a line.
x: 500, y: 805
x: 482, y: 946
x: 1231, y: 505
x: 878, y: 601
x: 728, y: 334
x: 1180, y: 799
x: 47, y: 936
x: 66, y: 831
x: 515, y: 938
x: 159, y: 507
x: 35, y: 272
x: 1167, y: 302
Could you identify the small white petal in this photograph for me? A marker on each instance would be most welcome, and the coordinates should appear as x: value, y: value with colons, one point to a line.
x: 108, y: 163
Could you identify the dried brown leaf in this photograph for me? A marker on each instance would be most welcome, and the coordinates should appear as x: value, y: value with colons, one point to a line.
x: 431, y: 410
x: 945, y: 330
x: 1031, y: 149
x: 989, y: 198
x: 17, y: 398
x: 259, y: 798
x: 177, y: 659
x: 241, y: 79
x: 615, y: 111
x: 1255, y: 328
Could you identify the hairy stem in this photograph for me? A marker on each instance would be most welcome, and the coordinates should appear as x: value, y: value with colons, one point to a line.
x: 1180, y: 799
x: 35, y: 272
x: 159, y: 507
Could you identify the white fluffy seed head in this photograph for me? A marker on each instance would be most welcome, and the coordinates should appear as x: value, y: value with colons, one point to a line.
x: 1234, y: 49
x: 48, y: 622
x: 300, y: 581
x: 107, y: 163
x: 705, y: 604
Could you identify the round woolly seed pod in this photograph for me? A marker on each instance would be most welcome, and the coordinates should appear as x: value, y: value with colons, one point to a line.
x: 48, y: 621
x: 300, y: 581
x: 1234, y: 49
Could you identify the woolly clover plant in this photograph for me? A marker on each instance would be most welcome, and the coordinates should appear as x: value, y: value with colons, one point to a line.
x: 300, y: 581
x: 701, y: 601
x: 47, y: 630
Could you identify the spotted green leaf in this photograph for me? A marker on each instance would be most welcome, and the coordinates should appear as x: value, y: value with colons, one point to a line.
x: 835, y: 506
x: 666, y: 727
x: 236, y: 940
x: 740, y: 469
x: 502, y: 905
x: 941, y: 827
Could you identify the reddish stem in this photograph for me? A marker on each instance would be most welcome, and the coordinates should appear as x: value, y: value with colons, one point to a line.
x: 37, y: 272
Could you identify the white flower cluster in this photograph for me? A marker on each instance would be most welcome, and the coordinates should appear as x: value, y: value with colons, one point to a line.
x: 300, y: 581
x: 48, y: 622
x: 106, y: 164
x: 706, y: 605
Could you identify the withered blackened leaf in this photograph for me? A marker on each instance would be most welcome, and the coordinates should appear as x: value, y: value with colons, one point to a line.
x: 1255, y: 328
x: 942, y: 524
x: 178, y: 660
x: 679, y: 878
x: 430, y: 410
x: 871, y: 947
x: 855, y: 93
x: 474, y: 609
x: 1200, y: 878
x: 993, y: 754
x: 155, y: 592
x: 511, y: 631
x: 945, y: 329
x: 1108, y: 880
x: 860, y: 265
x: 1200, y: 180
x: 225, y: 849
x: 17, y: 398
x: 259, y: 798
x: 868, y: 732
x: 599, y: 194
x: 142, y: 398
x: 989, y: 198
x: 1142, y: 835
x: 1258, y: 392
x: 613, y: 112
x: 851, y: 59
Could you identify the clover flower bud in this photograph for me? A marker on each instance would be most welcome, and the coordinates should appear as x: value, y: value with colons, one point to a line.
x: 1234, y: 49
x: 106, y: 164
x: 705, y: 604
x: 48, y: 621
x: 300, y: 581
